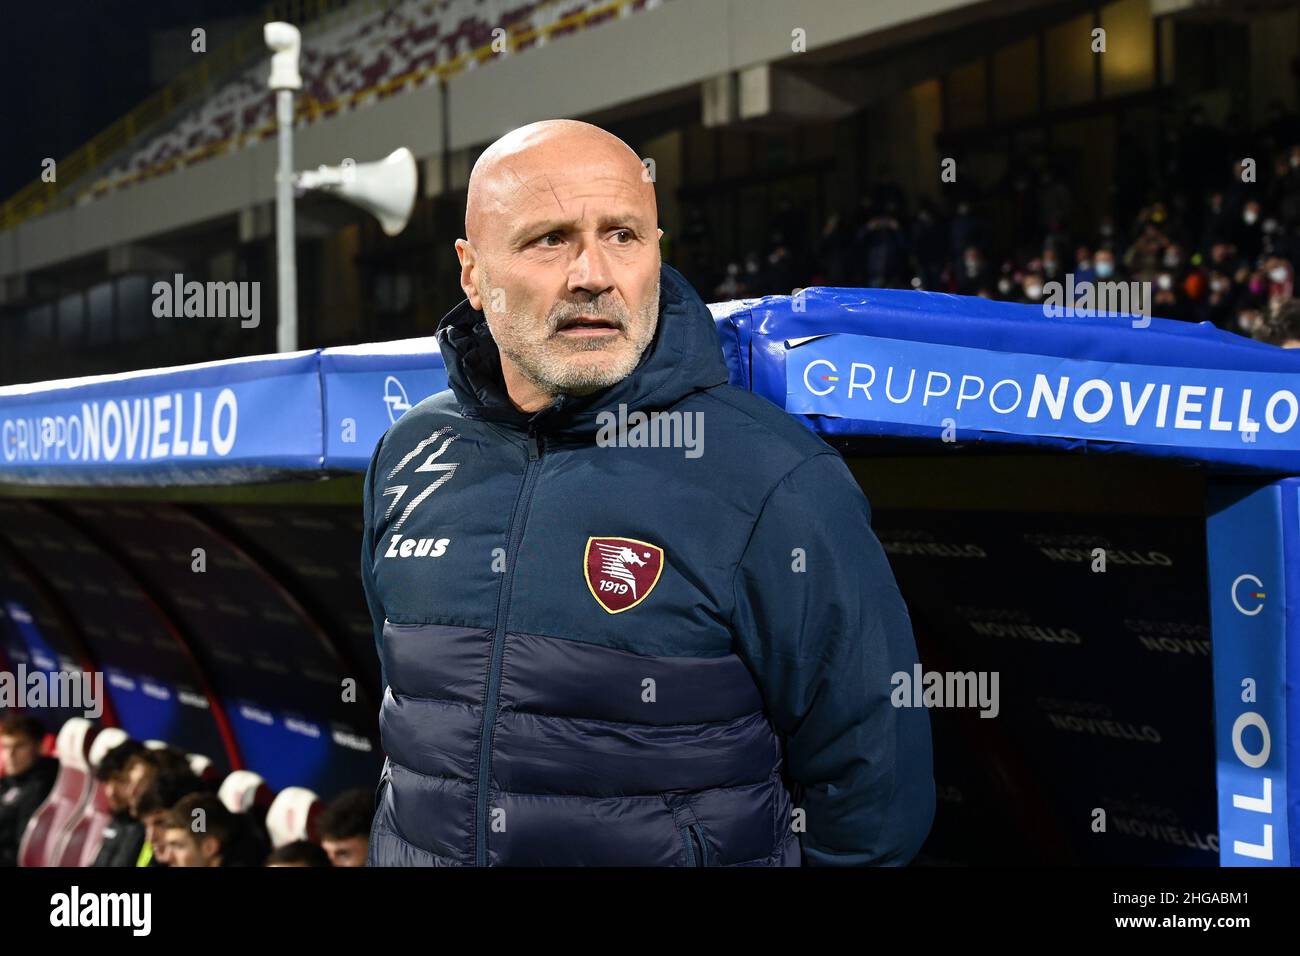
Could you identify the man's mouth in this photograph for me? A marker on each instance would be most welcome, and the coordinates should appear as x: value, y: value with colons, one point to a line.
x: 587, y: 325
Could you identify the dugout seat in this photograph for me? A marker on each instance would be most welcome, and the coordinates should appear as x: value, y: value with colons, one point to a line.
x: 292, y: 816
x: 203, y: 768
x: 71, y: 789
x: 85, y: 833
x: 245, y: 792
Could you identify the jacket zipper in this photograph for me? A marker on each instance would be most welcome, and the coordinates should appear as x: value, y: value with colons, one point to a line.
x: 514, y: 535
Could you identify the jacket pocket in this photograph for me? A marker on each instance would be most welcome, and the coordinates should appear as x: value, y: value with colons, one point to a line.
x: 697, y: 851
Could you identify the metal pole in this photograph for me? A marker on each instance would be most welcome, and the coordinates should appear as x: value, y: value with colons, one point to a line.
x: 286, y: 262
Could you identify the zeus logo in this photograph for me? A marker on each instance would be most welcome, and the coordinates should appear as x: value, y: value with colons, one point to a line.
x: 445, y: 469
x: 399, y: 547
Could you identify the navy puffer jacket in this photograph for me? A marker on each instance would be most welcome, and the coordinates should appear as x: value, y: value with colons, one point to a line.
x: 607, y: 655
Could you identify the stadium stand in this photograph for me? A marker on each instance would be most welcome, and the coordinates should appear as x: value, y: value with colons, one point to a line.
x: 351, y: 65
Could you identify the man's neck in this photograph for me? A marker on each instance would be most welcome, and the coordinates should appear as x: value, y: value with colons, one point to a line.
x: 526, y: 395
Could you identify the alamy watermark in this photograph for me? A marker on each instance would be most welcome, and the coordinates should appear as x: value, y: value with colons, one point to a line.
x: 208, y: 300
x: 62, y: 690
x: 946, y: 689
x: 626, y: 429
x: 1097, y: 298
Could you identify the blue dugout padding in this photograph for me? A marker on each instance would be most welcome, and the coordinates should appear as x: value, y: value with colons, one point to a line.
x: 1253, y: 542
x: 851, y: 364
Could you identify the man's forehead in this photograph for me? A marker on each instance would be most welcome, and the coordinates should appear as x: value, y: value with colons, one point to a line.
x: 558, y: 191
x: 521, y: 190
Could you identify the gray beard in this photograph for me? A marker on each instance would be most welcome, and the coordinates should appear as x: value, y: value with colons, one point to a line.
x: 550, y: 371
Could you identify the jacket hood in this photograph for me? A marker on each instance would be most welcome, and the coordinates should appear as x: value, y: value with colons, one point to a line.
x: 684, y: 356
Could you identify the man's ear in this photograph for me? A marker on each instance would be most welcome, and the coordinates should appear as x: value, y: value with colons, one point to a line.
x: 465, y: 252
x: 661, y: 233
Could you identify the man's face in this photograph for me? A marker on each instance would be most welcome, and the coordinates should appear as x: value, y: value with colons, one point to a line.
x: 17, y: 753
x: 139, y: 775
x: 565, y: 266
x: 155, y: 831
x: 117, y: 793
x: 347, y: 852
x: 186, y: 849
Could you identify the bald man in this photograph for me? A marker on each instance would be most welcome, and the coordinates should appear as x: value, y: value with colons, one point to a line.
x: 626, y: 613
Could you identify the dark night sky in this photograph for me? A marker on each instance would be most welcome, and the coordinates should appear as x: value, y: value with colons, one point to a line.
x: 71, y: 67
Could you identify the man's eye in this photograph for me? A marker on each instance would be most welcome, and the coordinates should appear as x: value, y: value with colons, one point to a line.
x: 549, y: 235
x: 625, y: 232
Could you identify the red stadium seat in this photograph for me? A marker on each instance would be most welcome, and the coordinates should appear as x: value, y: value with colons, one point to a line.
x: 245, y: 792
x: 69, y: 795
x: 292, y: 816
x: 203, y: 768
x: 81, y: 841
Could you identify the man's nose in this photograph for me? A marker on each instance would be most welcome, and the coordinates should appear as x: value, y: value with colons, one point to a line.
x: 590, y: 270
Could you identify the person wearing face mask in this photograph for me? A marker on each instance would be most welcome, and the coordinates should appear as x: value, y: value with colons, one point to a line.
x: 1217, y: 306
x: 1281, y: 284
x: 1173, y: 263
x: 1083, y: 268
x: 1250, y: 234
x: 1104, y: 265
x: 1033, y: 288
x: 974, y: 275
x: 1168, y: 300
x: 1051, y: 266
x: 1008, y: 287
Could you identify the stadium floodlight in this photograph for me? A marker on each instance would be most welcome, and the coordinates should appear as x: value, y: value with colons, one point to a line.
x: 285, y: 42
x: 385, y: 189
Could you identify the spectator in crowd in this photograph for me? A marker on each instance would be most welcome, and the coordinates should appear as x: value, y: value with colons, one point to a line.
x: 885, y: 248
x: 345, y: 827
x: 1084, y: 272
x: 928, y: 246
x: 731, y: 287
x: 299, y: 853
x: 123, y: 836
x: 1103, y: 266
x: 974, y: 277
x: 201, y: 832
x: 1033, y: 288
x: 1283, y: 328
x: 1215, y: 244
x: 27, y: 781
